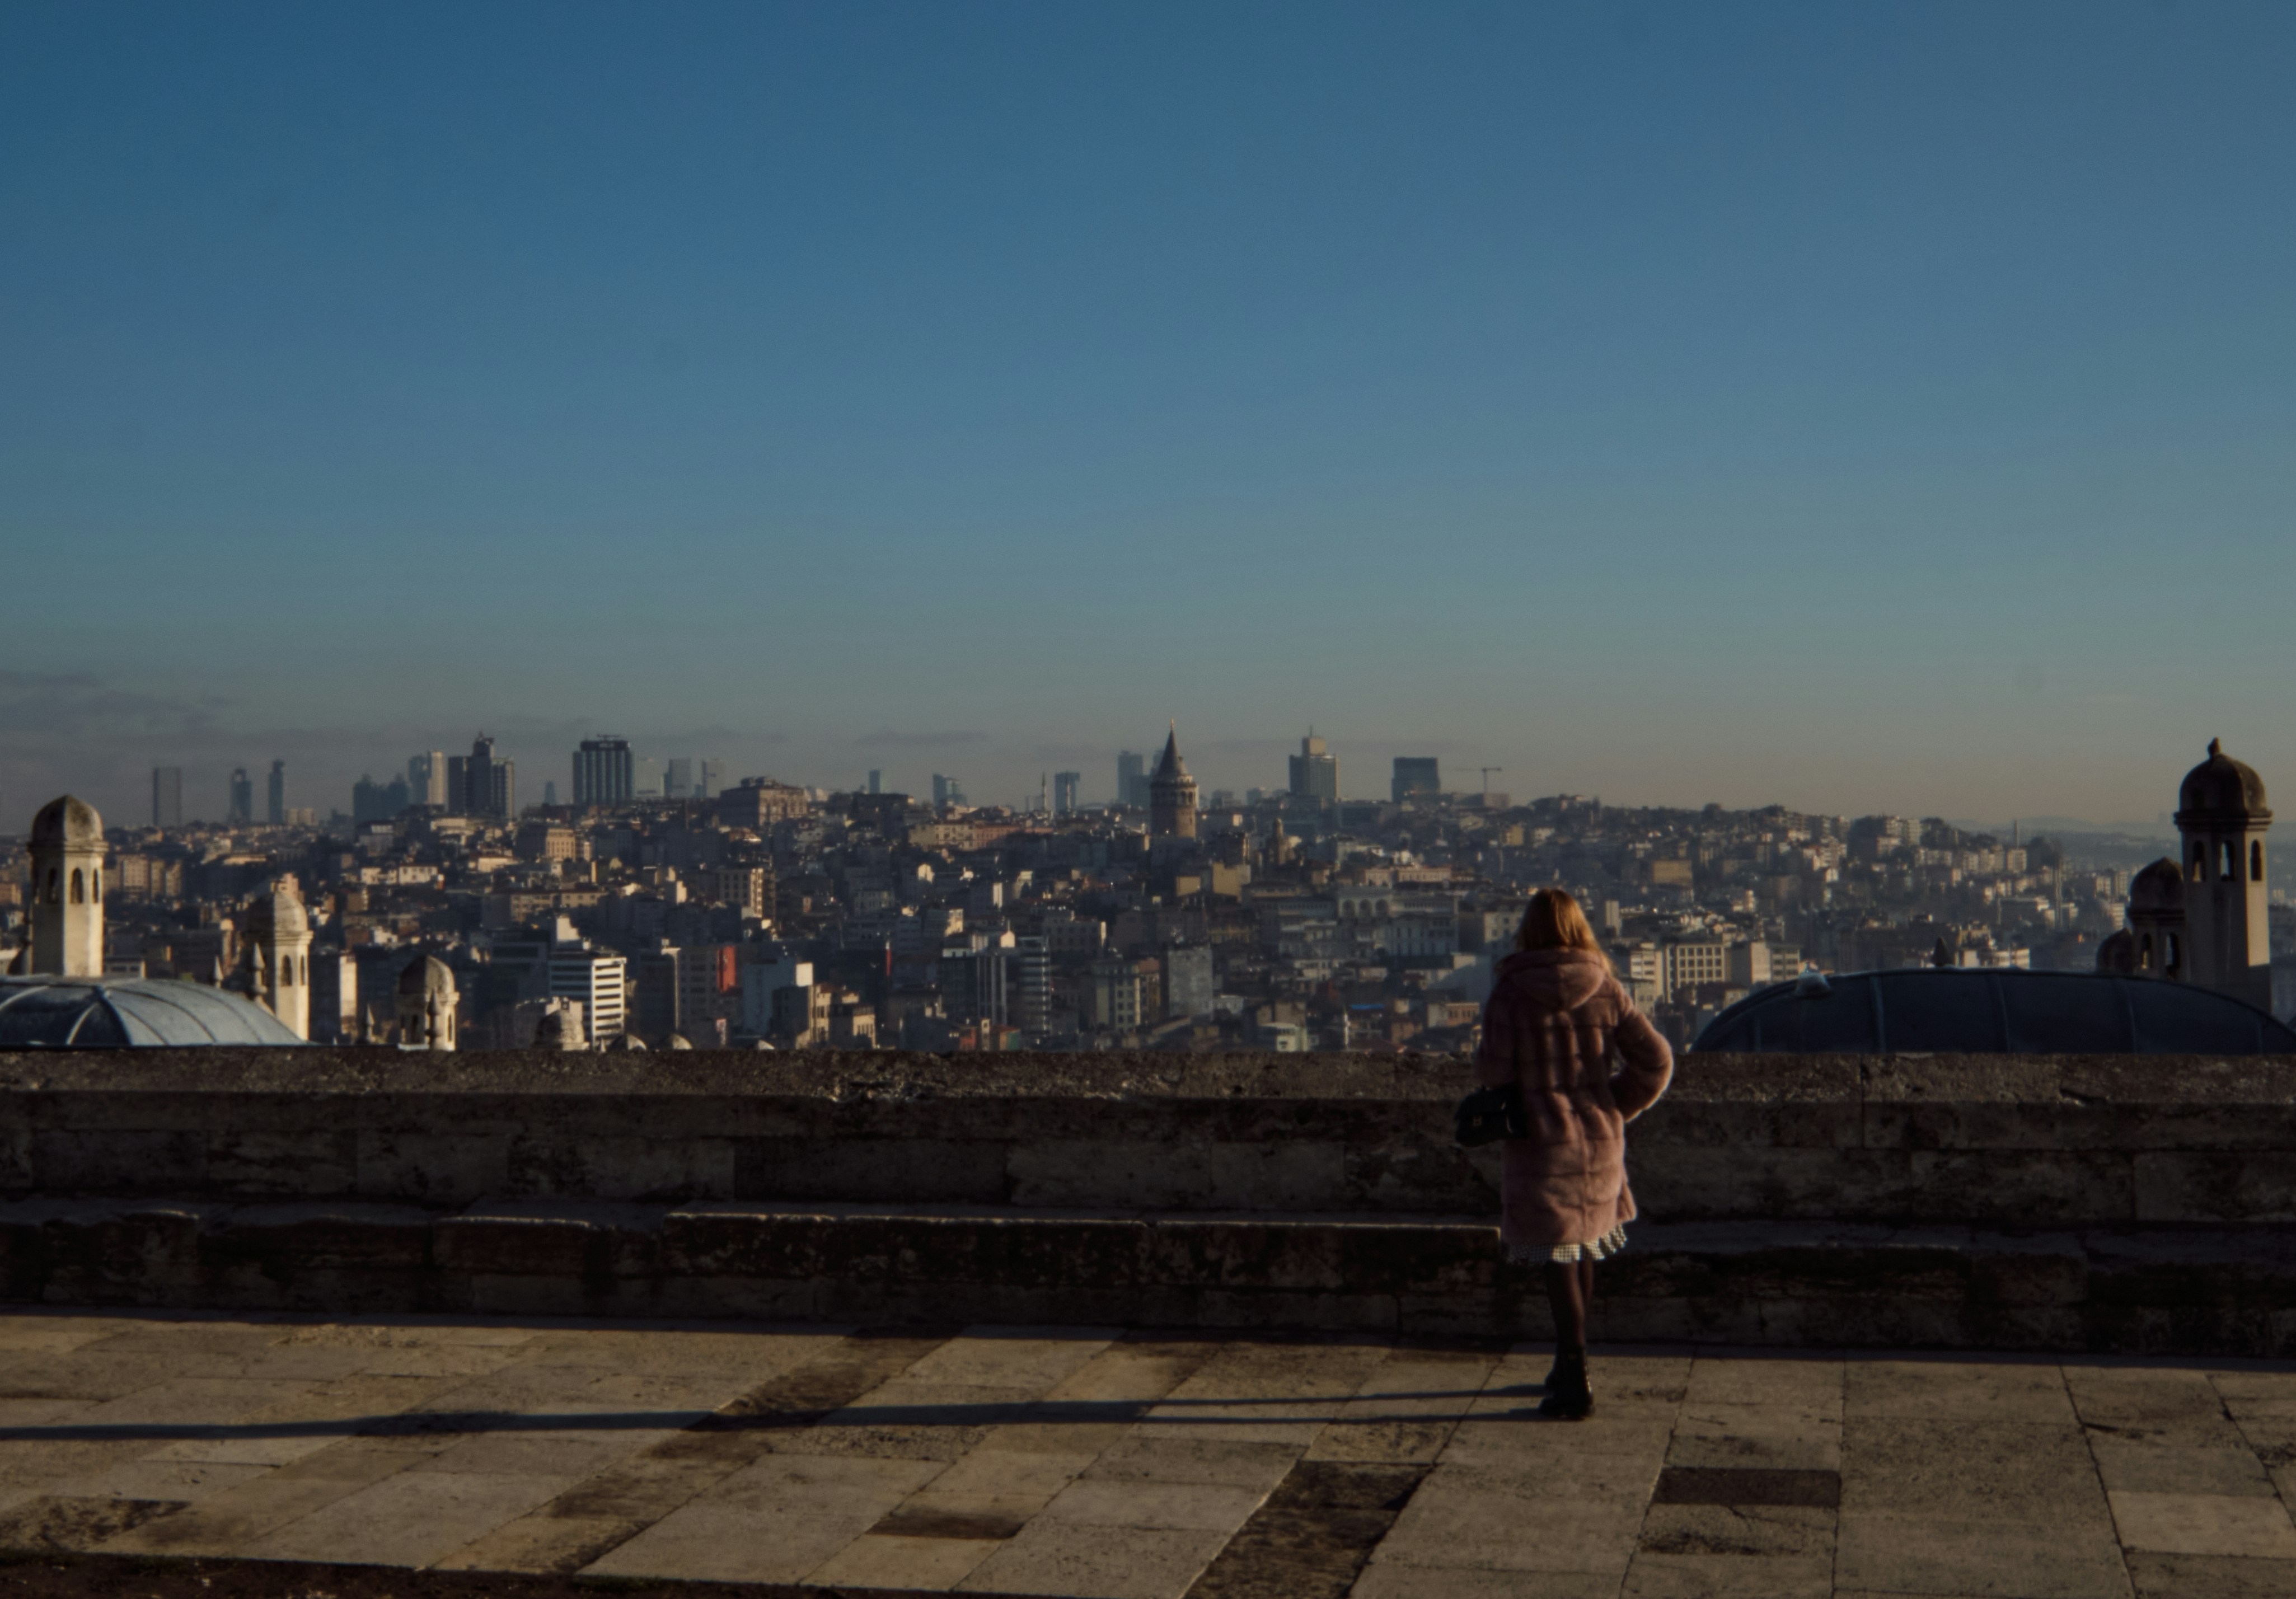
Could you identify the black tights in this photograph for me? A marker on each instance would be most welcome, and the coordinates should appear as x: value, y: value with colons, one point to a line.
x: 1570, y: 1288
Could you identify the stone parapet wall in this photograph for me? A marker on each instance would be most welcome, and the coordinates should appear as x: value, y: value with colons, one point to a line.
x: 2124, y: 1204
x: 2161, y: 1291
x: 1989, y: 1141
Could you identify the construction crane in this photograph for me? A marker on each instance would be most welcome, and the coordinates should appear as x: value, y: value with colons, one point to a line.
x: 1486, y: 776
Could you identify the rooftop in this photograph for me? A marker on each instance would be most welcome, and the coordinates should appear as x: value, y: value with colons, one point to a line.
x: 1113, y: 1463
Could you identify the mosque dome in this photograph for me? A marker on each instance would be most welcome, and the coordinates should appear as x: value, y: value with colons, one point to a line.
x: 69, y: 821
x: 425, y: 977
x: 137, y: 1012
x: 2160, y: 887
x: 2221, y: 787
x: 1993, y: 1011
x: 559, y: 1029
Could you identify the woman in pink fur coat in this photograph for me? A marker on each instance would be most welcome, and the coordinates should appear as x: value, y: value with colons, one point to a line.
x: 1556, y: 1023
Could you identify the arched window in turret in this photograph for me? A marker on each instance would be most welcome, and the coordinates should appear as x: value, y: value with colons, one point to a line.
x: 78, y: 888
x: 2199, y: 861
x: 2228, y: 863
x: 2175, y: 953
x: 2144, y: 954
x: 2256, y: 860
x: 96, y: 879
x: 55, y: 897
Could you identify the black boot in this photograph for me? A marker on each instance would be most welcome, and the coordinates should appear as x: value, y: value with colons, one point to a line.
x: 1568, y: 1396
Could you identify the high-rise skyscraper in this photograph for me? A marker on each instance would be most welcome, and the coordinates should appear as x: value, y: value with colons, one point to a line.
x: 426, y: 779
x: 679, y: 783
x: 876, y: 781
x: 1416, y: 777
x: 1066, y: 787
x: 713, y: 779
x: 242, y: 796
x: 373, y: 801
x: 1314, y: 774
x: 946, y: 791
x: 274, y: 808
x: 167, y: 796
x: 488, y: 783
x: 604, y: 771
x: 1132, y: 780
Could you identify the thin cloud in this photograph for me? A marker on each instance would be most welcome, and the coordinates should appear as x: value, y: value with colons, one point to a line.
x: 885, y: 738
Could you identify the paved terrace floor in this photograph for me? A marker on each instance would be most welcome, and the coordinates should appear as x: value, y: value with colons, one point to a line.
x: 1096, y: 1462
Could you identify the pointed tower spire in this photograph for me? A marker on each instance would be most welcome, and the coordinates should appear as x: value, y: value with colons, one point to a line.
x: 1172, y: 793
x: 1171, y: 765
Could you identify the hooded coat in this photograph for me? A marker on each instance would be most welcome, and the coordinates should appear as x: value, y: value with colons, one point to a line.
x: 1556, y: 1020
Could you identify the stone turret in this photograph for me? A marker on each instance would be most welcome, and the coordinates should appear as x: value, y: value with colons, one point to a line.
x: 426, y: 1004
x: 276, y: 955
x: 68, y: 850
x: 2222, y: 815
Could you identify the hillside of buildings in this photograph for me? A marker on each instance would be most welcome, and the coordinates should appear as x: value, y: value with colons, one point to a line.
x: 716, y: 914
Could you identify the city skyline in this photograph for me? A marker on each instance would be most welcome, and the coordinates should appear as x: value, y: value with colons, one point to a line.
x: 1867, y: 408
x: 1251, y: 766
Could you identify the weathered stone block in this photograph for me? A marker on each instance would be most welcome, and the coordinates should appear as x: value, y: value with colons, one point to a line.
x: 122, y: 1161
x: 752, y: 1242
x: 2240, y: 1186
x: 1420, y: 1257
x: 432, y: 1168
x: 2049, y: 1270
x: 1726, y: 1123
x: 1251, y: 1252
x: 2031, y: 1187
x: 301, y: 1162
x: 122, y: 1253
x: 1295, y: 1175
x: 877, y: 1169
x: 288, y: 1240
x: 653, y: 1167
x: 592, y: 1241
x: 1112, y: 1253
x: 16, y: 1167
x: 1418, y: 1177
x: 1695, y: 1184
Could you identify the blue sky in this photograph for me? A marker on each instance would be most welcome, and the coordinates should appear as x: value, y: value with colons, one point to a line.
x: 1859, y: 408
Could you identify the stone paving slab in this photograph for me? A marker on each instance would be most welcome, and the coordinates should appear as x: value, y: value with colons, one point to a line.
x: 1105, y: 1464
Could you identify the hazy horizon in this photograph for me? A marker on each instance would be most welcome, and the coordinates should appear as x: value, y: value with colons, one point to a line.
x: 1861, y: 409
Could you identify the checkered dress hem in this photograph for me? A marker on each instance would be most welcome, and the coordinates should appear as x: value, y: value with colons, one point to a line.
x: 1568, y: 1254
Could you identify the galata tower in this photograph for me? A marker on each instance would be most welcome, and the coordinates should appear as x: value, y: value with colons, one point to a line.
x: 1171, y: 794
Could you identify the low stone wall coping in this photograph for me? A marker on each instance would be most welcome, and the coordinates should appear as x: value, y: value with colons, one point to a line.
x: 2256, y: 1079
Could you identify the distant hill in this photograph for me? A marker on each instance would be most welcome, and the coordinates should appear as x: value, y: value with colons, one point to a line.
x: 2059, y: 827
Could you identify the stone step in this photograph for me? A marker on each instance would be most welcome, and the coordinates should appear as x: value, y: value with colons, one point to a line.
x: 2189, y: 1290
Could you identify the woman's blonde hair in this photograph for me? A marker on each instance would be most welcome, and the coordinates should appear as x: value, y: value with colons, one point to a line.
x: 1553, y: 920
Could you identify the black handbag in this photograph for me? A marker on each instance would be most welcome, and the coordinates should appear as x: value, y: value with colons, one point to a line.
x: 1489, y: 1114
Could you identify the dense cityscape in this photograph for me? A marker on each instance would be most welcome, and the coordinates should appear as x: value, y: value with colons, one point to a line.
x: 658, y: 905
